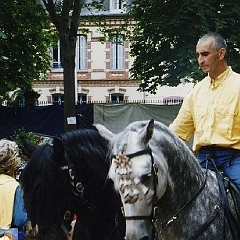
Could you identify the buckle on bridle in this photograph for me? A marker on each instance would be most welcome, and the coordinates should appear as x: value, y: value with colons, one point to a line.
x: 79, y: 188
x: 155, y: 212
x: 67, y: 215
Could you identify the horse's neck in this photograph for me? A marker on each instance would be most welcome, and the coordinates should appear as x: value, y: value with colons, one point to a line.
x: 186, y: 178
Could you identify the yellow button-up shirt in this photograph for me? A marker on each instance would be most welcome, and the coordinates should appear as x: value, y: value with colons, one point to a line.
x: 211, y: 111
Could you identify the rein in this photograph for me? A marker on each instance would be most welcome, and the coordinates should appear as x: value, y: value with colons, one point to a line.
x: 213, y: 215
x: 175, y: 216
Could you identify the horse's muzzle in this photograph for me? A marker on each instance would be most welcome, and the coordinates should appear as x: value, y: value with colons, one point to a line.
x: 145, y: 238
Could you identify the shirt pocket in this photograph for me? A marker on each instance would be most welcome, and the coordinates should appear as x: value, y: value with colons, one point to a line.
x: 200, y: 112
x: 224, y: 119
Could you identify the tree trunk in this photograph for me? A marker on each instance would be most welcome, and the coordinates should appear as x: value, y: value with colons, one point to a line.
x: 67, y: 25
x: 68, y: 54
x: 69, y: 98
x: 31, y: 98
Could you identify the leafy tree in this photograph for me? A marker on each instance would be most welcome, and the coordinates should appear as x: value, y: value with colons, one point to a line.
x: 65, y: 16
x: 24, y: 45
x: 166, y: 32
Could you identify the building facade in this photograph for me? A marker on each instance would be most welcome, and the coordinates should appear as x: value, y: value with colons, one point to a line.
x: 102, y: 67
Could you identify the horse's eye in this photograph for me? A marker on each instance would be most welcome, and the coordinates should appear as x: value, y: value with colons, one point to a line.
x: 145, y: 178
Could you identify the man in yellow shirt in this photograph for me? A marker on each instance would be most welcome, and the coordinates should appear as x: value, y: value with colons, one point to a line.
x: 211, y: 110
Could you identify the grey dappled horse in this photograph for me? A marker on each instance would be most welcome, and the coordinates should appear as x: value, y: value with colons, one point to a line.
x: 165, y: 192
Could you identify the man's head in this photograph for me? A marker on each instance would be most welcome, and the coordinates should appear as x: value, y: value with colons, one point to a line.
x: 9, y: 156
x: 211, y: 53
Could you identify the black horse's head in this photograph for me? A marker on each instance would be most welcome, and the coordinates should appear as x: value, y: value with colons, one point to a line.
x: 71, y: 176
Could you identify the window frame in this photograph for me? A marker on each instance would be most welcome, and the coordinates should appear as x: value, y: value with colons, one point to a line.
x: 117, y: 5
x: 117, y: 53
x: 57, y: 64
x: 82, y: 52
x: 116, y: 98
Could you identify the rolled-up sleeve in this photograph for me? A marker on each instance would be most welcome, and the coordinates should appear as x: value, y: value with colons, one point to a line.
x: 183, y: 124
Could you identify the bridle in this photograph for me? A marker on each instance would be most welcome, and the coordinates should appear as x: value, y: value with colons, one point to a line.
x: 76, y: 186
x: 152, y: 217
x: 153, y: 173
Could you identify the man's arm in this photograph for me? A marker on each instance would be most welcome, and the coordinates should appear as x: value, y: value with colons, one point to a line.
x: 183, y: 124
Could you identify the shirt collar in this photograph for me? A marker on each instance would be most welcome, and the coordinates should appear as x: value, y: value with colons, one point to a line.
x: 214, y: 83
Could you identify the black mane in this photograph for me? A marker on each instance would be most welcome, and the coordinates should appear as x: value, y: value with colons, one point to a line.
x: 49, y: 193
x: 42, y: 190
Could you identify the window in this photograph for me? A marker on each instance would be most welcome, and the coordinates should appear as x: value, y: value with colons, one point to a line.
x: 56, y: 56
x: 117, y: 53
x: 82, y: 98
x: 81, y: 52
x: 117, y: 4
x: 116, y: 98
x: 57, y: 99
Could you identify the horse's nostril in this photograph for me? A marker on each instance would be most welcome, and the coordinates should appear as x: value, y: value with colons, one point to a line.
x: 145, y: 238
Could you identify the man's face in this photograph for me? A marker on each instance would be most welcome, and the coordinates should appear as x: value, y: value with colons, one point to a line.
x: 208, y: 57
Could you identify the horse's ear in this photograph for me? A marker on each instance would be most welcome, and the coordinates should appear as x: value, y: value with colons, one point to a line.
x: 149, y: 131
x: 104, y: 132
x: 58, y: 148
x: 112, y: 176
x: 27, y: 146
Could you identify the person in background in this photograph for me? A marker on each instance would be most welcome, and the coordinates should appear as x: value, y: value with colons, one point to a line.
x: 211, y: 110
x: 12, y: 209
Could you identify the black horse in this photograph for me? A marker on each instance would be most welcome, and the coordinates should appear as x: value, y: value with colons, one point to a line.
x: 69, y: 177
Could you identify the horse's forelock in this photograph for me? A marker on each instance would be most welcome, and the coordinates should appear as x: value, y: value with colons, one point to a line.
x: 88, y: 151
x: 120, y: 141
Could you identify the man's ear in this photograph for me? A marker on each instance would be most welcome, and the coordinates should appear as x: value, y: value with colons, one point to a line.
x: 222, y: 53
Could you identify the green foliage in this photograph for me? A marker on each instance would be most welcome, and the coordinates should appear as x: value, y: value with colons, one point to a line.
x: 15, y: 99
x: 166, y: 32
x: 24, y: 49
x: 34, y: 138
